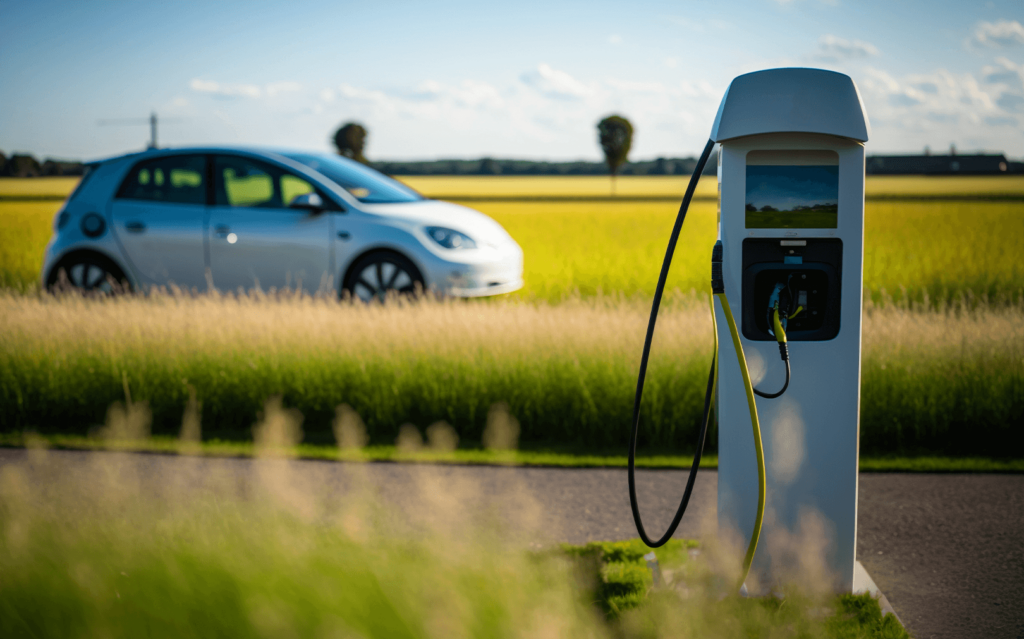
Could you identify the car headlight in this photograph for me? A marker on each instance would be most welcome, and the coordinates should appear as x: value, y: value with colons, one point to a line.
x: 449, y: 238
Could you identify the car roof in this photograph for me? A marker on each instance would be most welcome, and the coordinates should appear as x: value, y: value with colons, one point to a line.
x: 259, y: 150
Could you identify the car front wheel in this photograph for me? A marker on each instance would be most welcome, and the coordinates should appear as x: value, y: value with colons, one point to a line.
x: 376, y: 274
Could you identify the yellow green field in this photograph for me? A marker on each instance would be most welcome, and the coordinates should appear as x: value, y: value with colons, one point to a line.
x: 674, y: 186
x: 599, y: 186
x: 935, y: 250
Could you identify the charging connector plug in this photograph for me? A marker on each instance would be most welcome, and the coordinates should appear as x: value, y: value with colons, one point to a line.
x: 778, y: 319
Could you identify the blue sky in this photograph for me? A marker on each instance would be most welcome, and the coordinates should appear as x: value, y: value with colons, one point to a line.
x: 469, y: 79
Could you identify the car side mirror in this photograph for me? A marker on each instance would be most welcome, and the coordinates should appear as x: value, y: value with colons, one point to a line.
x: 307, y: 201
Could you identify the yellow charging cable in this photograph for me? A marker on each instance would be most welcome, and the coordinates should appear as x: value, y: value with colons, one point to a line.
x: 758, y: 447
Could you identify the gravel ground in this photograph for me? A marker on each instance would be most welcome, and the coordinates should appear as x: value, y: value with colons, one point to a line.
x: 947, y: 550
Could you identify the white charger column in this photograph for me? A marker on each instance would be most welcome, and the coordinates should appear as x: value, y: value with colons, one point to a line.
x: 791, y: 179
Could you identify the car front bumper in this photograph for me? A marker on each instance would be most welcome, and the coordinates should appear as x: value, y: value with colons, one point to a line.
x: 480, y: 279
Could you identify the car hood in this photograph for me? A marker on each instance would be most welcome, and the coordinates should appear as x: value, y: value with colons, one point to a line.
x: 437, y: 213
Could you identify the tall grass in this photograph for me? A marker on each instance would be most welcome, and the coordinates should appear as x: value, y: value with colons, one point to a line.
x: 567, y: 372
x: 109, y: 545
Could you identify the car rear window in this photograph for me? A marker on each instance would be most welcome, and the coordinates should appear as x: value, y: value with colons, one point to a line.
x: 364, y: 183
x: 176, y: 179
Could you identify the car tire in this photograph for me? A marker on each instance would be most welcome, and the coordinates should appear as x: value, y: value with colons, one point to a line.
x: 87, y: 272
x: 377, y: 274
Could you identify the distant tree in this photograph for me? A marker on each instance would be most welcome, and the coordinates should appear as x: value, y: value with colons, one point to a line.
x: 62, y: 167
x: 23, y: 166
x: 663, y: 167
x: 351, y: 140
x: 615, y: 135
x: 768, y: 208
x: 750, y: 208
x: 489, y: 167
x: 3, y: 163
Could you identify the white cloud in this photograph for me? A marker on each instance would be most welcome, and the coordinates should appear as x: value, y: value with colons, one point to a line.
x: 1003, y: 72
x: 252, y: 91
x: 670, y: 62
x: 941, y: 106
x: 632, y: 86
x: 556, y: 84
x: 998, y: 34
x: 274, y: 88
x: 614, y: 39
x: 225, y: 90
x: 834, y: 49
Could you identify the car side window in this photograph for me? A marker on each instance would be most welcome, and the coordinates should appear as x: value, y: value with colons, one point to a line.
x: 175, y: 179
x: 244, y: 182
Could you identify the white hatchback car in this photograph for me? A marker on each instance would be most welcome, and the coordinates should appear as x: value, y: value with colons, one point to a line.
x: 231, y: 218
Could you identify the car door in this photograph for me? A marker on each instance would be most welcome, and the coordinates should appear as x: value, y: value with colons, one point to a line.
x: 158, y: 216
x: 255, y: 240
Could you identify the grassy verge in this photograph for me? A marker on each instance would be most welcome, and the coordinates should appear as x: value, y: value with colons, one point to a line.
x: 566, y: 373
x: 486, y: 457
x: 623, y: 585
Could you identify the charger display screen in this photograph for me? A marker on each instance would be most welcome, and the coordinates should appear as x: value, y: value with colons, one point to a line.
x: 786, y: 196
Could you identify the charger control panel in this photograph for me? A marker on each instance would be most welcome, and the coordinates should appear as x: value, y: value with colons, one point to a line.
x: 803, y: 277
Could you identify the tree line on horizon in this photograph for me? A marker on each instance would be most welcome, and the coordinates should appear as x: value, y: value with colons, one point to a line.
x: 25, y: 165
x: 615, y: 136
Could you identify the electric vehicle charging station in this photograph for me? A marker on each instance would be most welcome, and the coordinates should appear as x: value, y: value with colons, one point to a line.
x: 793, y: 136
x: 789, y: 259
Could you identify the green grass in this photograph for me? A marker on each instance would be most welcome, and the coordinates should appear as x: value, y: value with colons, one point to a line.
x: 107, y: 548
x: 566, y: 372
x: 622, y: 585
x: 818, y: 218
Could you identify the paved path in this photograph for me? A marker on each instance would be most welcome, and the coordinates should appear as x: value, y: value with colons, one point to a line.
x: 947, y: 550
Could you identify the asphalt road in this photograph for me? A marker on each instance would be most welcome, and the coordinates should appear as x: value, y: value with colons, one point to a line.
x: 946, y: 550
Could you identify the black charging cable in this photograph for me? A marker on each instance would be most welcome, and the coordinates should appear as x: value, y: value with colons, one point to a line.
x: 708, y: 396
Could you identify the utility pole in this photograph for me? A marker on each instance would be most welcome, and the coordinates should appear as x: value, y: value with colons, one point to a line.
x: 151, y: 121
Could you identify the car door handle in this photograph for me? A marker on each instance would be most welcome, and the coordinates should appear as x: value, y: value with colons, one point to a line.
x: 223, y: 230
x: 134, y: 226
x: 344, y: 235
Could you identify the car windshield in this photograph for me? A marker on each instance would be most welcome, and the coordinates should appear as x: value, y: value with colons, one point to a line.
x: 366, y: 184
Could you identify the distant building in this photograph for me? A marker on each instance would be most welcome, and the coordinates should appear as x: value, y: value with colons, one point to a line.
x: 952, y: 164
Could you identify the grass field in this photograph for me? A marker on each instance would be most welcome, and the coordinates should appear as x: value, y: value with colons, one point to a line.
x: 975, y: 187
x: 566, y: 372
x: 917, y: 250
